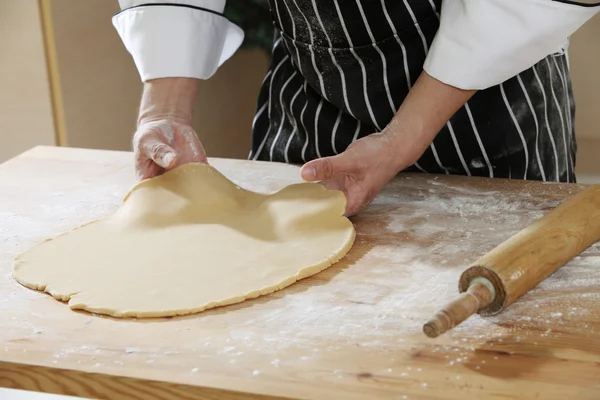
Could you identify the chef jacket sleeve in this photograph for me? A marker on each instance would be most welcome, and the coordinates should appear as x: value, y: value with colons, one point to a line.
x: 482, y: 43
x: 177, y: 38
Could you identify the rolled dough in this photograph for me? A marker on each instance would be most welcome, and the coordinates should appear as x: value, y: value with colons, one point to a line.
x: 187, y: 241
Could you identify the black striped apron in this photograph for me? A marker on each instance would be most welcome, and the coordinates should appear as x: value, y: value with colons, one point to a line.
x: 341, y: 68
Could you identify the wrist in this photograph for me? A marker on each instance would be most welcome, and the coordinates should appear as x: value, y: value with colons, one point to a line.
x: 427, y: 108
x: 407, y: 143
x: 168, y: 98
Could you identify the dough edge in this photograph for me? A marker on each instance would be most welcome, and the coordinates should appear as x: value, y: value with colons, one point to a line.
x: 73, y: 305
x: 303, y: 273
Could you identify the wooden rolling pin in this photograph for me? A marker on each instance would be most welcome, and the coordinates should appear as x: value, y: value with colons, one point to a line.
x: 500, y: 277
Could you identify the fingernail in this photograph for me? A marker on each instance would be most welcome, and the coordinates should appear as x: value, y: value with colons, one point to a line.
x: 167, y: 159
x: 309, y: 173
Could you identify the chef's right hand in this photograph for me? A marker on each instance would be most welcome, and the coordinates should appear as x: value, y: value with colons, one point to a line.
x: 165, y: 138
x: 163, y: 144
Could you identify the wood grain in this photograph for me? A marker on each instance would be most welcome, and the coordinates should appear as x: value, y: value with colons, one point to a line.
x: 352, y: 331
x: 98, y: 386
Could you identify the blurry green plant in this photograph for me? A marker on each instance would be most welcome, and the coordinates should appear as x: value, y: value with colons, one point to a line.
x: 254, y: 17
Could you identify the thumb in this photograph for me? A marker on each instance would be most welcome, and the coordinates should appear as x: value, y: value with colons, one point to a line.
x: 162, y: 154
x: 325, y: 168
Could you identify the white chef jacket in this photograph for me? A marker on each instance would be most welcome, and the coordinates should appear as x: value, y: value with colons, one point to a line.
x: 479, y: 44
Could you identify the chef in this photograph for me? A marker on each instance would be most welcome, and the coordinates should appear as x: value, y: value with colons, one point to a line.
x: 359, y: 90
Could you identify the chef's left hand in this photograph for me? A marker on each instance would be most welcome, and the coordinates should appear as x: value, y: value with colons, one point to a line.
x: 370, y: 163
x: 362, y: 170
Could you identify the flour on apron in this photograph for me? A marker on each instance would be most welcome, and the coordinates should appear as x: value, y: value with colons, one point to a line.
x: 340, y: 70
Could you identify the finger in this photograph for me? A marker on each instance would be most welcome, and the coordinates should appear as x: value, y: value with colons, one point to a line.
x: 338, y: 183
x: 352, y: 208
x: 352, y: 204
x: 162, y: 154
x: 326, y: 168
x: 357, y: 202
x: 148, y: 169
x: 334, y: 184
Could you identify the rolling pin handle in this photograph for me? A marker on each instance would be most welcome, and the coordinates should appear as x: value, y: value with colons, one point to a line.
x: 480, y: 294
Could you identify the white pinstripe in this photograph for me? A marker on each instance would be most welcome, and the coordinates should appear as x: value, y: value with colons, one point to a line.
x: 467, y: 108
x: 312, y: 53
x: 259, y: 113
x: 281, y: 20
x: 299, y: 65
x: 267, y: 75
x: 458, y: 151
x: 262, y: 144
x: 567, y: 107
x: 420, y: 168
x: 514, y: 118
x: 289, y: 141
x: 537, y: 77
x: 562, y: 121
x: 362, y: 66
x: 457, y: 148
x: 357, y: 131
x: 317, y: 115
x: 334, y: 133
x: 426, y: 50
x: 282, y: 122
x: 383, y: 59
x: 437, y: 159
x: 434, y: 8
x: 295, y: 123
x: 404, y: 56
x: 293, y: 32
x: 537, y: 127
x: 448, y: 124
x: 321, y: 83
x: 333, y: 59
x: 264, y: 106
x: 405, y: 60
x: 485, y: 156
x: 303, y: 123
x: 412, y: 15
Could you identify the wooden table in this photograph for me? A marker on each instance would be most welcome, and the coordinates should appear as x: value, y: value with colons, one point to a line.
x: 352, y: 331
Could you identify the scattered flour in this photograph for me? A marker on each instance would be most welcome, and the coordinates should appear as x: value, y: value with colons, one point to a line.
x: 377, y: 295
x: 396, y: 287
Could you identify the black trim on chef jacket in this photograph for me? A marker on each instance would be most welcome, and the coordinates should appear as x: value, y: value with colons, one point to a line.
x: 340, y: 70
x: 576, y: 3
x: 172, y: 5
